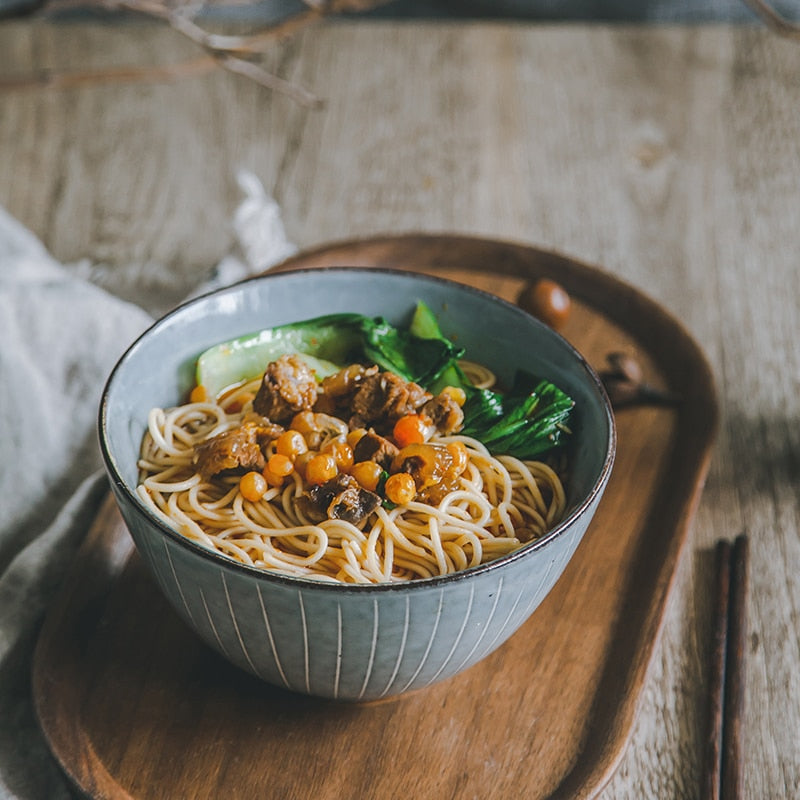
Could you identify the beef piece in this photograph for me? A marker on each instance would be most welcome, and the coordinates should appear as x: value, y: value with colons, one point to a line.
x: 383, y: 398
x: 239, y: 448
x: 288, y: 386
x: 377, y: 393
x: 339, y: 498
x: 267, y: 431
x: 417, y: 396
x: 345, y: 383
x: 444, y: 412
x: 318, y: 428
x: 372, y: 447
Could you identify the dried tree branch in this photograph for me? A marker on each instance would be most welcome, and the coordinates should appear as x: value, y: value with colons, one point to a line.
x: 270, y: 81
x: 339, y: 6
x: 233, y: 53
x: 217, y: 43
x: 773, y: 20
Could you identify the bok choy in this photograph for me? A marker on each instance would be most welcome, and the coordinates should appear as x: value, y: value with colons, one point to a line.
x: 525, y: 422
x: 326, y: 343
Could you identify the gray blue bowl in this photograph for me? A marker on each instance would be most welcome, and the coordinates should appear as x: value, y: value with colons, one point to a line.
x: 340, y: 641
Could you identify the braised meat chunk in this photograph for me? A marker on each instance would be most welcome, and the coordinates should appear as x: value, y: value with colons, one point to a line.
x: 239, y: 448
x: 342, y: 385
x: 445, y: 413
x: 372, y: 447
x: 383, y: 398
x: 339, y: 498
x: 288, y: 386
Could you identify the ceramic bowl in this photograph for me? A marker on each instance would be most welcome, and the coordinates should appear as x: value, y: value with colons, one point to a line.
x: 341, y: 641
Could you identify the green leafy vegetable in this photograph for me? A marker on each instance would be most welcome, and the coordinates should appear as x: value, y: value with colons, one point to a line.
x: 326, y: 343
x: 380, y: 489
x: 410, y: 356
x: 425, y: 325
x: 330, y: 340
x: 525, y: 422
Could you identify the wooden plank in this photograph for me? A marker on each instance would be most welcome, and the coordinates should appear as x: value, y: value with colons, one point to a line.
x: 668, y: 155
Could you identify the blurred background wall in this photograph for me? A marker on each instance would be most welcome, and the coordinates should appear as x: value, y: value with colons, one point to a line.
x: 658, y: 11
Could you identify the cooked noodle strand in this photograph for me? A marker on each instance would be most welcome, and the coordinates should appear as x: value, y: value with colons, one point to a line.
x: 499, y: 503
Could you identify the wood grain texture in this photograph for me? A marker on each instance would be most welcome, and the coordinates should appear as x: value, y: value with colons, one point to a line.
x: 668, y: 155
x: 143, y: 698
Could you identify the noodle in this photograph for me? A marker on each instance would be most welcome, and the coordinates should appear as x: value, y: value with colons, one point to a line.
x: 498, y: 504
x: 479, y: 376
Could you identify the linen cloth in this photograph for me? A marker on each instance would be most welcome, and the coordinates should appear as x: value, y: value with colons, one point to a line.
x: 60, y: 336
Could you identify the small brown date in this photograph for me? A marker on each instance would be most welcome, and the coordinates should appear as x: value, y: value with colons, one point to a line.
x: 548, y: 301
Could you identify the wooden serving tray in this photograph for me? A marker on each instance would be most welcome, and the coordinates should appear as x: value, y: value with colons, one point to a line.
x: 135, y: 706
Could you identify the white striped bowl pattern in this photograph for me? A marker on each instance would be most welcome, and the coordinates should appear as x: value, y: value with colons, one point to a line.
x: 350, y: 642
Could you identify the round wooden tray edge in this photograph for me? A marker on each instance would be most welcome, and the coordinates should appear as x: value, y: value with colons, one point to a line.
x: 528, y: 261
x: 600, y: 758
x: 670, y: 338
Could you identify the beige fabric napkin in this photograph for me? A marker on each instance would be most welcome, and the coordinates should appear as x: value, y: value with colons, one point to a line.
x: 60, y: 335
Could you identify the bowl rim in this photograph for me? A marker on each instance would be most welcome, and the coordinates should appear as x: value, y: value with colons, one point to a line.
x: 269, y: 576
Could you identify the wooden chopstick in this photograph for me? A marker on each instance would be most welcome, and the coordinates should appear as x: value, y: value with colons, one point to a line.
x: 722, y: 777
x: 712, y: 775
x: 732, y: 733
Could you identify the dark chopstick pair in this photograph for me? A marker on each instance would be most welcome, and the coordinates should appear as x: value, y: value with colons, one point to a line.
x: 722, y: 777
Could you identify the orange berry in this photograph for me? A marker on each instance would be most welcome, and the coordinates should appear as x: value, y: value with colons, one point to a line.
x: 198, y: 394
x: 459, y: 458
x: 400, y: 488
x: 456, y: 393
x: 320, y: 468
x: 291, y: 444
x: 301, y: 462
x: 253, y: 486
x: 280, y: 465
x: 367, y: 473
x: 409, y: 429
x: 355, y: 435
x: 342, y: 453
x: 272, y: 479
x: 303, y: 421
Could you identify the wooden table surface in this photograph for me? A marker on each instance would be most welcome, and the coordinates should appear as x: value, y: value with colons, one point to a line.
x: 668, y: 156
